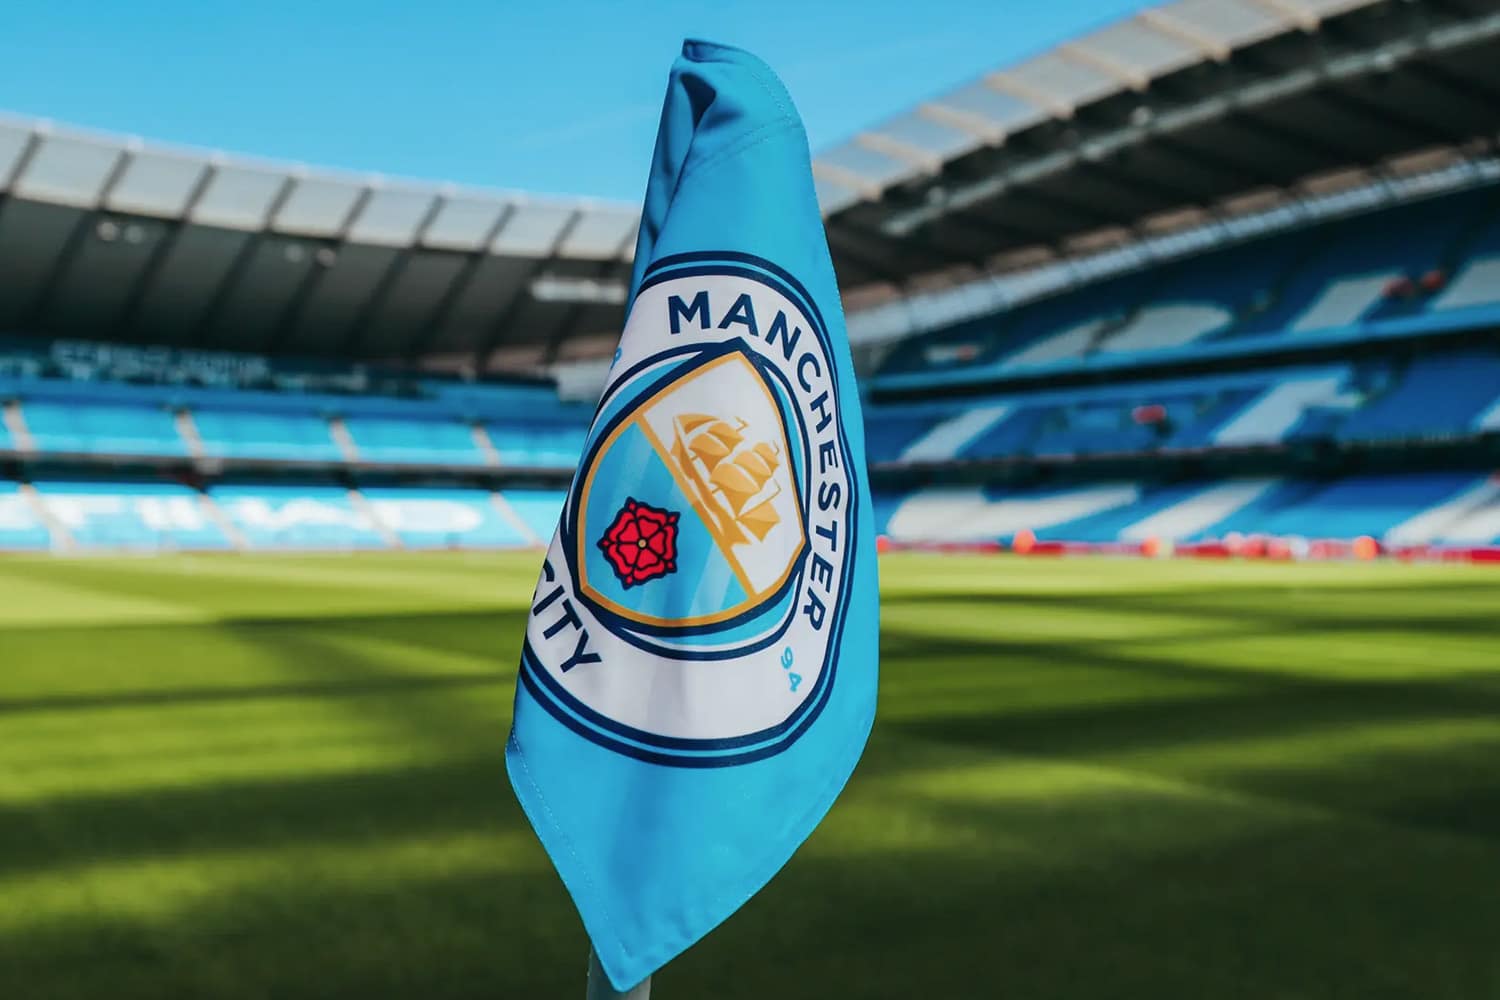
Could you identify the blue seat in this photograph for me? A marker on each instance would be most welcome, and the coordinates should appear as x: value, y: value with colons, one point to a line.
x: 296, y: 517
x: 266, y: 434
x: 539, y: 445
x: 393, y: 439
x: 131, y: 515
x: 85, y: 427
x: 20, y: 527
x: 426, y: 518
x: 1363, y: 505
x: 539, y: 509
x: 1438, y: 395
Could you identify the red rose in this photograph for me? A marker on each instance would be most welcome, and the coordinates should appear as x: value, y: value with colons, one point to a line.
x: 641, y: 543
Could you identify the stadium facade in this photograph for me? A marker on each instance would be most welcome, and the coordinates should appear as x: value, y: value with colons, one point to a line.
x: 1222, y: 276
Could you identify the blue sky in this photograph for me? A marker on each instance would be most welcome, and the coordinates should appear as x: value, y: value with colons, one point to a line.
x: 558, y: 97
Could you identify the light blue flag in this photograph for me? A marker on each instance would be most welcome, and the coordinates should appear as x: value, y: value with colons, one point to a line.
x: 699, y: 673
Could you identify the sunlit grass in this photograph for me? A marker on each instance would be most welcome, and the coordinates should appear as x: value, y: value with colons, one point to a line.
x: 230, y: 776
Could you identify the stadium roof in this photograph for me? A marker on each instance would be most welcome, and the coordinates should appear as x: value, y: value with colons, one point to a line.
x: 117, y: 239
x: 1161, y: 120
x: 1182, y: 116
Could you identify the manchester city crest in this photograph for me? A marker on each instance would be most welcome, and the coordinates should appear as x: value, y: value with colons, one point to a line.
x: 693, y: 596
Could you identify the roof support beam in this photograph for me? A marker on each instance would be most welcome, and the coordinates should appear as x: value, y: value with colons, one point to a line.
x: 1145, y: 188
x: 1459, y: 89
x: 161, y: 252
x: 1424, y: 131
x: 1328, y: 152
x: 1062, y: 203
x: 924, y: 243
x: 1163, y: 22
x: 241, y: 261
x: 983, y: 223
x: 986, y: 131
x: 507, y: 315
x: 1202, y: 159
x: 1037, y: 98
x: 885, y: 145
x: 565, y: 326
x: 850, y: 248
x: 427, y: 332
x: 394, y: 268
x: 563, y: 329
x: 1083, y: 55
x: 1077, y: 209
x: 844, y: 177
x: 286, y: 324
x: 1303, y: 19
x: 1193, y: 113
x: 18, y: 169
x: 41, y: 302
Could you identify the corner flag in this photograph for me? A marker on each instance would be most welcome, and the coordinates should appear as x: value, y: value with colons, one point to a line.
x: 698, y: 677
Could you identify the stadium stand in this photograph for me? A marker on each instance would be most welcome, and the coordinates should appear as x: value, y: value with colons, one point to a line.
x: 1381, y: 275
x: 229, y: 431
x: 130, y: 515
x: 1412, y: 509
x: 273, y: 516
x: 536, y: 509
x: 21, y: 525
x: 119, y: 458
x: 1100, y: 295
x: 84, y: 426
x: 412, y: 439
x: 423, y: 518
x: 1346, y: 338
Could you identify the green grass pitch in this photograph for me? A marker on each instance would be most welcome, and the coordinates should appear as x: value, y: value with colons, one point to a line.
x: 282, y: 777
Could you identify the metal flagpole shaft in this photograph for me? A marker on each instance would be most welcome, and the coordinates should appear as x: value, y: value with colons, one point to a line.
x: 599, y: 988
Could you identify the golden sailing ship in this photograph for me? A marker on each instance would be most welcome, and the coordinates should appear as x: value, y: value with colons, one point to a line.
x: 730, y: 476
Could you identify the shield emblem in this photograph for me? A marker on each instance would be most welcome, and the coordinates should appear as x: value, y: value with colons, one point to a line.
x: 690, y: 511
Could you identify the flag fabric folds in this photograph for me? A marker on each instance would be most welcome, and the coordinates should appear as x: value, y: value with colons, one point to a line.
x: 699, y: 672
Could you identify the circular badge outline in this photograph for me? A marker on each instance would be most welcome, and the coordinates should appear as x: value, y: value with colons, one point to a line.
x: 610, y: 734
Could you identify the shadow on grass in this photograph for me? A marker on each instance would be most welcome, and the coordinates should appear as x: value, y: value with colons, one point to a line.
x: 1268, y: 608
x: 1317, y: 872
x: 278, y: 811
x: 1112, y: 895
x: 335, y: 652
x: 222, y: 695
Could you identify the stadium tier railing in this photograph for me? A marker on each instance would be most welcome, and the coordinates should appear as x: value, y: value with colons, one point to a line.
x: 1446, y: 396
x: 144, y: 513
x: 1400, y: 274
x: 1427, y: 515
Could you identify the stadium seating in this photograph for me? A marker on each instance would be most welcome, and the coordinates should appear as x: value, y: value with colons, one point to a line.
x: 1417, y: 269
x: 1442, y: 393
x: 1229, y: 410
x: 297, y: 517
x: 1409, y: 509
x: 20, y: 526
x: 1362, y: 505
x: 1438, y: 395
x: 427, y: 518
x: 1093, y: 371
x: 429, y: 422
x: 538, y: 445
x: 427, y: 441
x: 286, y: 436
x: 85, y: 427
x: 537, y: 509
x: 155, y: 515
x: 130, y: 515
x: 1470, y: 518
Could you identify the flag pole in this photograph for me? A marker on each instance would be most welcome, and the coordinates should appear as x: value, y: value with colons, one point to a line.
x: 600, y: 988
